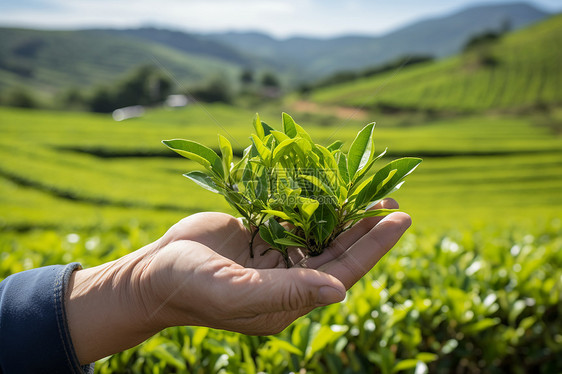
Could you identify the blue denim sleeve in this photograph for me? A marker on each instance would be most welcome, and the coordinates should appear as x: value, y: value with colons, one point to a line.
x: 34, y: 335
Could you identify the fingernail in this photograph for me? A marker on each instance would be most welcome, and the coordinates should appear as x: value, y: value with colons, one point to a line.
x: 329, y: 295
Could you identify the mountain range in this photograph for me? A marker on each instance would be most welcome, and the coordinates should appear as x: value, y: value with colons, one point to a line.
x: 48, y: 61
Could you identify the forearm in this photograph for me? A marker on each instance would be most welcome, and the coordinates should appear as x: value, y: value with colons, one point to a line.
x: 105, y: 310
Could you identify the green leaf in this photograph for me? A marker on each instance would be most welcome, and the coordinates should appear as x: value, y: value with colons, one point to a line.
x: 516, y: 309
x: 372, y: 213
x: 342, y: 167
x: 325, y: 219
x: 282, y: 345
x: 319, y: 184
x: 409, y: 363
x: 375, y: 190
x: 361, y: 173
x: 277, y: 213
x: 203, y: 180
x: 361, y: 150
x: 356, y: 188
x: 248, y: 178
x: 426, y: 356
x: 289, y: 127
x: 263, y: 151
x: 282, y: 149
x: 259, y: 127
x: 277, y: 230
x: 335, y: 146
x: 287, y: 242
x: 329, y: 164
x: 320, y: 338
x: 197, y: 152
x: 237, y: 170
x: 262, y: 185
x: 267, y: 129
x: 226, y: 152
x: 483, y: 324
x: 266, y: 235
x: 307, y: 206
x: 295, y: 237
x: 279, y: 136
x: 303, y: 134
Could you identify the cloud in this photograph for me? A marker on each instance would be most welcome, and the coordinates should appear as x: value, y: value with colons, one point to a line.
x: 277, y: 17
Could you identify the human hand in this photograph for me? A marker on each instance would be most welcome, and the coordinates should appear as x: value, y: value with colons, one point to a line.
x: 200, y: 273
x: 203, y: 274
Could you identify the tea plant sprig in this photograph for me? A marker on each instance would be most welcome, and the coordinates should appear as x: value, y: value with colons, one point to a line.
x: 284, y: 177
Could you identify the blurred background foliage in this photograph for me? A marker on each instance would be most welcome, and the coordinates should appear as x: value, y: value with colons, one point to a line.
x: 474, y: 286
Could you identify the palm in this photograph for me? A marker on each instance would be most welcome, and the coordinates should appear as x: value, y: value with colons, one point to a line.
x: 227, y: 236
x: 205, y: 260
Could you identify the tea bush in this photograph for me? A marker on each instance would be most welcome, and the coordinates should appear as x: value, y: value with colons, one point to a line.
x: 486, y: 299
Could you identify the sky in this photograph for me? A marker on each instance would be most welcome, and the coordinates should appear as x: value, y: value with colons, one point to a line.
x: 316, y: 18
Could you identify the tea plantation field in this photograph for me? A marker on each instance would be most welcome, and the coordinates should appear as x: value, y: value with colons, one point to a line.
x: 521, y: 70
x: 476, y: 284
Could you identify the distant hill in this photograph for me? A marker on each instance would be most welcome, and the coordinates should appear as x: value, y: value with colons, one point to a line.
x: 187, y: 43
x: 439, y: 37
x: 520, y: 70
x: 50, y: 61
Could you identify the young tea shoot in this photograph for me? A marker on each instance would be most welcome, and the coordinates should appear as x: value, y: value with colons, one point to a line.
x: 283, y: 176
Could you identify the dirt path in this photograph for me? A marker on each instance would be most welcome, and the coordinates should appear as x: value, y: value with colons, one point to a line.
x: 334, y: 110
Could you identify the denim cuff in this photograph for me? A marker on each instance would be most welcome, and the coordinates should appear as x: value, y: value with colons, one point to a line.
x: 34, y: 335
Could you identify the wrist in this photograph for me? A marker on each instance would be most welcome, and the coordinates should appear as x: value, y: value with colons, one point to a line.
x: 105, y: 309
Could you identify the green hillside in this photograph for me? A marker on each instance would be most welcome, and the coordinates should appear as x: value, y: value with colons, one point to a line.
x: 48, y: 61
x: 521, y: 70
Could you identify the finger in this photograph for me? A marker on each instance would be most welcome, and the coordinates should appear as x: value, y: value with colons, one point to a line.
x: 354, y: 263
x: 285, y: 290
x: 346, y: 239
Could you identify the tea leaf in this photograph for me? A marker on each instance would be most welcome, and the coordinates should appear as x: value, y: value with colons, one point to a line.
x: 372, y: 213
x: 282, y: 149
x: 202, y: 180
x: 197, y: 152
x: 259, y: 127
x: 335, y: 146
x: 279, y: 136
x: 267, y: 129
x: 262, y: 186
x: 361, y: 150
x: 318, y: 183
x: 263, y: 151
x: 277, y: 230
x: 361, y: 173
x: 226, y: 152
x: 289, y: 127
x: 342, y: 168
x: 376, y: 190
x: 325, y: 219
x: 285, y: 176
x: 277, y: 213
x: 307, y: 206
x: 303, y: 134
x: 266, y: 235
x: 287, y: 242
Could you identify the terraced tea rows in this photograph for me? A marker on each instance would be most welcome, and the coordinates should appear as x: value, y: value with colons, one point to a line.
x: 521, y: 71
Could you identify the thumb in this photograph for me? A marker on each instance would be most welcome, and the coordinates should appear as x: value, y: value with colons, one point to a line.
x: 297, y: 289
